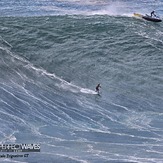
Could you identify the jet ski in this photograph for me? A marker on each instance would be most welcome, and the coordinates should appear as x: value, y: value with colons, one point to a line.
x: 148, y: 17
x: 151, y: 18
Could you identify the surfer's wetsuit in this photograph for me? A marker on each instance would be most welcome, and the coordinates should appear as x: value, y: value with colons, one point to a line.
x: 153, y: 13
x: 97, y: 88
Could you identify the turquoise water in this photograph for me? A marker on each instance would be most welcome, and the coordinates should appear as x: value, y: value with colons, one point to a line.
x: 50, y: 65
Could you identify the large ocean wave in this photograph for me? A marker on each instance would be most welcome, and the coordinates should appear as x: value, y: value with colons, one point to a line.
x: 49, y: 68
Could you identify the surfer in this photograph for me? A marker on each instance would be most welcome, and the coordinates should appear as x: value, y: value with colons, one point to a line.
x: 153, y: 13
x: 98, y: 88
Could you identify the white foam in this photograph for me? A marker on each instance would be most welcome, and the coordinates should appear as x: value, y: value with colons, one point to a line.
x: 88, y: 91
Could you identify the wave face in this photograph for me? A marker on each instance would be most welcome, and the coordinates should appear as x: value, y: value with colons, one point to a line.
x: 49, y: 68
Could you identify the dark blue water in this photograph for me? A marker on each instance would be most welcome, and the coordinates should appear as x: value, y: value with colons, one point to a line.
x: 54, y: 53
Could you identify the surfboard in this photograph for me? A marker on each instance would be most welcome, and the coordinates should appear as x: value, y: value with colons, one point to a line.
x: 88, y: 91
x: 138, y: 15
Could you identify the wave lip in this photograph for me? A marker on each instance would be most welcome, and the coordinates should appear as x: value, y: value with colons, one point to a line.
x: 71, y: 7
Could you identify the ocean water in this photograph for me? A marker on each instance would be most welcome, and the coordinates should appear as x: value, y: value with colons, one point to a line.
x: 54, y: 53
